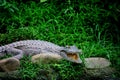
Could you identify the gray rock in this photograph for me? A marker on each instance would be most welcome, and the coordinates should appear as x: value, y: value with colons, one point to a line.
x: 101, y: 72
x: 9, y: 64
x: 96, y: 62
x: 11, y: 74
x: 43, y: 74
x: 98, y: 67
x: 46, y: 58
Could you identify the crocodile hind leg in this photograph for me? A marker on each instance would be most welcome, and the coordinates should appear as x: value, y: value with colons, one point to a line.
x: 11, y: 63
x: 16, y: 53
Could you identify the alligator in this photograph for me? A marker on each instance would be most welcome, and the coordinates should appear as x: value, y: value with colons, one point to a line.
x: 32, y: 47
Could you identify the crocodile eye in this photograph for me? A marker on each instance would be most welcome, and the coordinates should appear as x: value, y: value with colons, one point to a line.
x: 67, y: 46
x: 63, y: 51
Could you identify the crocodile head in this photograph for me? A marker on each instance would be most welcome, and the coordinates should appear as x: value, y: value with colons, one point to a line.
x: 71, y: 53
x: 72, y: 49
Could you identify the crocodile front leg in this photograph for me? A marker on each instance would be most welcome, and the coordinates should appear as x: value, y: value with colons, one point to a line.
x: 31, y: 52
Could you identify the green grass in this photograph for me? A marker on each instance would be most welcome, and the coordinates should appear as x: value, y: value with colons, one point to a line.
x: 28, y: 69
x: 62, y: 69
x: 90, y: 25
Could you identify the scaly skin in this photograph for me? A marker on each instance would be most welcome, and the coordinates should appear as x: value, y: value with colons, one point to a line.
x: 32, y: 47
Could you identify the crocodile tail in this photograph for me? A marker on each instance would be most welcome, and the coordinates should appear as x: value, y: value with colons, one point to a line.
x: 2, y: 49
